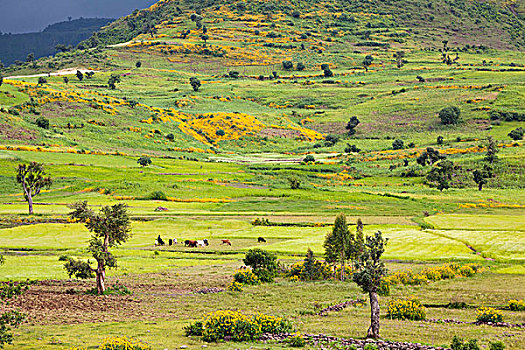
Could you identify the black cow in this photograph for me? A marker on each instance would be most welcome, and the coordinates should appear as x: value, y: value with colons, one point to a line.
x: 261, y: 240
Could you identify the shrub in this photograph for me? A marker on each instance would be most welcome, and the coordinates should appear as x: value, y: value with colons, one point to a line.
x: 42, y: 122
x: 449, y: 115
x: 300, y: 66
x: 217, y: 325
x: 157, y: 196
x: 144, y: 161
x: 406, y: 309
x: 440, y: 140
x: 517, y: 134
x: 457, y: 344
x: 115, y: 289
x: 398, y: 144
x: 193, y: 329
x: 296, y: 341
x: 245, y: 276
x: 466, y: 271
x: 309, y: 158
x: 235, y: 287
x: 287, y: 65
x: 310, y: 269
x: 295, y: 182
x: 123, y: 343
x: 516, y: 305
x: 352, y: 148
x: 488, y: 314
x: 497, y: 345
x: 220, y: 132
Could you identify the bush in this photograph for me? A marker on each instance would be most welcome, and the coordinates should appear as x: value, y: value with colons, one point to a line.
x: 300, y: 66
x: 144, y: 161
x: 220, y: 132
x: 449, y: 115
x: 157, y: 196
x: 309, y: 158
x: 497, y: 345
x: 310, y: 269
x: 457, y: 344
x: 245, y: 276
x: 296, y: 341
x: 398, y: 144
x: 42, y: 122
x: 263, y: 264
x: 406, y: 309
x: 235, y: 287
x: 516, y: 305
x: 287, y: 65
x: 352, y: 148
x: 123, y: 343
x: 295, y: 182
x: 228, y: 323
x: 517, y: 134
x: 440, y: 140
x: 488, y: 314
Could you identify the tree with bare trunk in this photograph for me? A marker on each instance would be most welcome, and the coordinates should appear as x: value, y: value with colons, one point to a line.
x: 110, y: 228
x: 33, y: 179
x: 370, y: 270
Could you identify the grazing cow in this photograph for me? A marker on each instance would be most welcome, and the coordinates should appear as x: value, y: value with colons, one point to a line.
x: 203, y: 242
x: 226, y: 241
x: 160, y: 241
x: 170, y: 242
x: 190, y: 243
x: 261, y: 240
x: 175, y: 241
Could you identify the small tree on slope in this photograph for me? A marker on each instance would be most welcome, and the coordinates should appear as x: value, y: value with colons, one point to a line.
x: 33, y: 179
x: 110, y: 228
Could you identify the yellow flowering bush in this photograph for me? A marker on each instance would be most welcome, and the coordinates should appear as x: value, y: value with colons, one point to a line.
x: 235, y: 287
x: 123, y: 343
x: 239, y: 327
x: 516, y: 305
x: 488, y: 314
x: 245, y: 276
x: 406, y: 309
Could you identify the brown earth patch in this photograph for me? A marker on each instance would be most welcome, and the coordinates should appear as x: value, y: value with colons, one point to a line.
x: 16, y: 133
x: 286, y: 133
x: 337, y: 128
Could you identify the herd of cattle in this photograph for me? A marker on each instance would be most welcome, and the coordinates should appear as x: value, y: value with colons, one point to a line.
x: 196, y: 243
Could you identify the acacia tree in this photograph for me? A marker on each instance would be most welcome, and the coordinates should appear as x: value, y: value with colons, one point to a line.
x: 338, y: 243
x: 370, y: 270
x: 33, y: 179
x: 110, y: 228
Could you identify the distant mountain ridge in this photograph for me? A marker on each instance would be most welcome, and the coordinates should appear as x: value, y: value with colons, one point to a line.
x: 15, y: 47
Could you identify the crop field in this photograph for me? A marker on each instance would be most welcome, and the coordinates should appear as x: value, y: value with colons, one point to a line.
x: 303, y: 111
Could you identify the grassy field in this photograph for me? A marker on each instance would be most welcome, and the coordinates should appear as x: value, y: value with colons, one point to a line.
x: 225, y: 155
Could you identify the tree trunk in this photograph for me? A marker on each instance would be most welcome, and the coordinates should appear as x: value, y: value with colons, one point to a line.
x: 343, y: 271
x: 373, y: 331
x: 30, y: 202
x: 480, y: 186
x: 101, y: 277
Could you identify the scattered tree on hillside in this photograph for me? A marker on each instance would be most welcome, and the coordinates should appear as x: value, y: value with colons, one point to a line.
x: 449, y: 115
x: 42, y: 81
x: 441, y: 175
x: 359, y: 240
x: 429, y: 157
x: 110, y: 228
x: 30, y: 57
x: 80, y: 76
x: 138, y: 64
x: 492, y: 149
x: 439, y: 140
x: 144, y: 161
x: 90, y: 74
x: 1, y: 79
x: 195, y: 83
x: 66, y: 80
x: 352, y: 124
x: 309, y: 159
x: 205, y: 38
x: 369, y: 271
x: 263, y: 264
x: 367, y: 61
x: 352, y: 148
x: 338, y: 243
x: 481, y: 176
x: 33, y: 179
x: 113, y: 80
x: 399, y: 56
x: 300, y: 66
x: 516, y: 134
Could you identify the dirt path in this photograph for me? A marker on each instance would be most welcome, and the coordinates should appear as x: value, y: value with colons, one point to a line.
x: 69, y: 71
